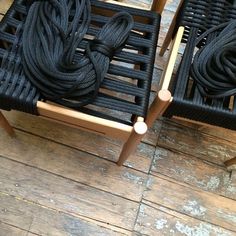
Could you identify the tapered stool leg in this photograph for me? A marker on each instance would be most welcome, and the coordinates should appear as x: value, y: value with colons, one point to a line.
x: 139, y: 130
x: 170, y: 32
x: 158, y: 106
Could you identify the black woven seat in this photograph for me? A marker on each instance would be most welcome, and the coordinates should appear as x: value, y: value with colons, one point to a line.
x: 125, y: 90
x: 197, y: 17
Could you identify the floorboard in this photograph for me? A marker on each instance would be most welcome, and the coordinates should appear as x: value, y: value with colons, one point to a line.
x: 65, y: 195
x: 193, y: 202
x: 40, y: 220
x: 55, y: 180
x: 193, y: 171
x: 8, y: 230
x: 73, y: 164
x: 192, y: 142
x: 158, y: 220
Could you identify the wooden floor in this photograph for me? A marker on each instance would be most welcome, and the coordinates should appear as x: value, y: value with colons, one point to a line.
x: 55, y: 180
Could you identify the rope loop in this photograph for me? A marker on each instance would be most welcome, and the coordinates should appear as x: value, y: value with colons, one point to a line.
x: 214, y: 65
x: 102, y: 47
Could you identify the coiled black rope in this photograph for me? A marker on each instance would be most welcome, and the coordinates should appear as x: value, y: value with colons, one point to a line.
x: 214, y: 65
x: 53, y: 31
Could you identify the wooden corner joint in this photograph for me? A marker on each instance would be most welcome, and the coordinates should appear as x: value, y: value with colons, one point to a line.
x: 140, y: 127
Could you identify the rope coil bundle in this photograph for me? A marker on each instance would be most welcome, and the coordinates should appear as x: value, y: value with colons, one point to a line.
x: 53, y: 31
x: 214, y: 65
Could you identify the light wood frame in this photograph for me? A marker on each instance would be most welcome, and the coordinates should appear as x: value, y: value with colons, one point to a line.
x: 131, y: 135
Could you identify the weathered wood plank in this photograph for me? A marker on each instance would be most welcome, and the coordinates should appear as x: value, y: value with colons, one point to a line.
x: 73, y: 164
x: 44, y: 221
x: 218, y: 132
x: 158, y: 221
x: 152, y: 135
x: 172, y: 5
x: 194, y: 171
x: 65, y: 195
x: 94, y: 144
x: 191, y: 142
x: 145, y: 4
x: 196, y: 203
x: 8, y: 230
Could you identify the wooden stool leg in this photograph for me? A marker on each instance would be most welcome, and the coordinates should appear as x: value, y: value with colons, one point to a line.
x: 5, y: 124
x: 169, y: 34
x: 139, y: 130
x: 168, y: 38
x: 159, y: 105
x: 231, y: 164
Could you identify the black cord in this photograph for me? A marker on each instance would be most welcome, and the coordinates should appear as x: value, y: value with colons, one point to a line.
x: 214, y: 65
x: 53, y: 31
